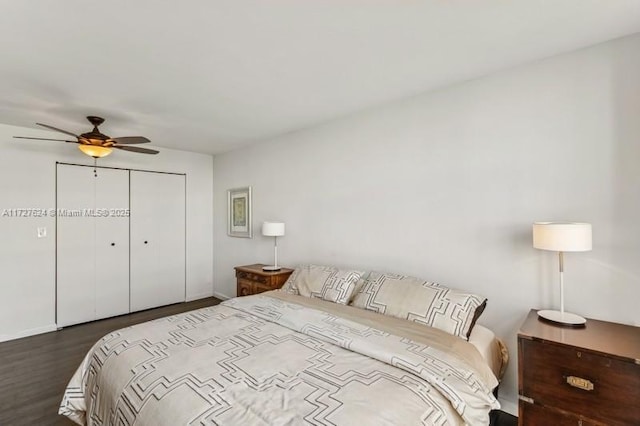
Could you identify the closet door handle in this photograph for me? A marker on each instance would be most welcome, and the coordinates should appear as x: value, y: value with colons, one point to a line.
x: 146, y: 242
x: 113, y: 244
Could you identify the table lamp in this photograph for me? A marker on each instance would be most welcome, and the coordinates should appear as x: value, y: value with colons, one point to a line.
x: 273, y: 229
x: 562, y: 237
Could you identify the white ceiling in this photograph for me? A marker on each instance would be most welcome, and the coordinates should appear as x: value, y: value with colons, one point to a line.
x: 211, y: 75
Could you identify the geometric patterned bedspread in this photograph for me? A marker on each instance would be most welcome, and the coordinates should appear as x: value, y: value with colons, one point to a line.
x: 262, y: 360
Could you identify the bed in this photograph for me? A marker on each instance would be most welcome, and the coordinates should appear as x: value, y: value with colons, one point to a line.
x: 281, y: 358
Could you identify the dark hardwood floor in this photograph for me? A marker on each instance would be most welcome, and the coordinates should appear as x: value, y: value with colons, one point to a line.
x: 34, y: 371
x: 500, y: 418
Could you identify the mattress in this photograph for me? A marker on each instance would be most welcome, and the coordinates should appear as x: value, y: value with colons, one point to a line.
x: 275, y: 359
x: 490, y: 347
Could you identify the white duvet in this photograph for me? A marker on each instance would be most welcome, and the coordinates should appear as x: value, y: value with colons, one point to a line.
x: 276, y: 359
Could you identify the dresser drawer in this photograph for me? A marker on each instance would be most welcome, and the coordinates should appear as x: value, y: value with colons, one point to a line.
x: 593, y: 386
x: 536, y: 415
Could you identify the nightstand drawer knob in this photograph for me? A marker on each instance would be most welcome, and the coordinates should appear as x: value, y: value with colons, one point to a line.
x: 580, y: 383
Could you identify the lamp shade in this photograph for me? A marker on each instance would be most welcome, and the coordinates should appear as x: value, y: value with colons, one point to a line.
x: 273, y: 229
x: 562, y: 236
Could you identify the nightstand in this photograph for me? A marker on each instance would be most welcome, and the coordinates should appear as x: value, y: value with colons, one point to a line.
x: 251, y: 279
x: 578, y: 376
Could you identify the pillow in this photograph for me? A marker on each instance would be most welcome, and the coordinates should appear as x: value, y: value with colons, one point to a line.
x: 323, y: 282
x: 421, y: 301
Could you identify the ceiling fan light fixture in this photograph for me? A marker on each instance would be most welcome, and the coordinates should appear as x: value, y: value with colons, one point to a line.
x: 97, y: 145
x: 95, y: 151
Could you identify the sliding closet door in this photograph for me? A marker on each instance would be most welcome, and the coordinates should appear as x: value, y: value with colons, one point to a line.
x: 112, y: 243
x: 157, y: 239
x: 75, y: 234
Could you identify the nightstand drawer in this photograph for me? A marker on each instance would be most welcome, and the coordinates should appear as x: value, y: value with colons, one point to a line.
x: 535, y: 415
x: 245, y: 288
x: 261, y: 288
x: 252, y: 277
x: 590, y: 385
x: 252, y: 287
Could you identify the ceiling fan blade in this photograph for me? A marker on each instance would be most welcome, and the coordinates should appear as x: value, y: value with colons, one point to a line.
x: 44, y: 139
x: 136, y: 149
x: 130, y: 140
x: 58, y: 130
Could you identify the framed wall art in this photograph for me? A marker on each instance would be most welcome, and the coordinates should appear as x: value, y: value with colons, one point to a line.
x: 239, y: 215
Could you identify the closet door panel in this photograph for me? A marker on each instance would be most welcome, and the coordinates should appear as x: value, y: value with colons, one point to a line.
x: 157, y: 239
x: 112, y: 243
x: 75, y: 239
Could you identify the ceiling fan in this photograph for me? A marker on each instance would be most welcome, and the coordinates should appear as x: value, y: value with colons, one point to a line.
x: 96, y: 144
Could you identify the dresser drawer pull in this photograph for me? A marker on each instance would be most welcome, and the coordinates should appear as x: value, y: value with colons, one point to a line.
x: 580, y: 383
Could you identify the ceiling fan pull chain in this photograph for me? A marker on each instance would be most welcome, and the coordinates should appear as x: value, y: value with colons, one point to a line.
x: 95, y: 167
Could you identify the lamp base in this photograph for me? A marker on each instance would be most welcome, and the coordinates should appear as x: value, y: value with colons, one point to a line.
x: 562, y: 318
x: 271, y: 268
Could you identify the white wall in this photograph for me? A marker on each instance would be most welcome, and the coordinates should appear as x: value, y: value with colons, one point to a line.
x: 27, y: 264
x: 445, y: 186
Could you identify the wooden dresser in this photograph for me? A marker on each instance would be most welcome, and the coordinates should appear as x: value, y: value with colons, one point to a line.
x: 578, y: 376
x: 251, y: 279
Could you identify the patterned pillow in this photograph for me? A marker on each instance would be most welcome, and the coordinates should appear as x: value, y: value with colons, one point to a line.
x: 420, y: 301
x: 324, y: 282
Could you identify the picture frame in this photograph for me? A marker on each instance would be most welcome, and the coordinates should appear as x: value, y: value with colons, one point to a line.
x: 239, y: 221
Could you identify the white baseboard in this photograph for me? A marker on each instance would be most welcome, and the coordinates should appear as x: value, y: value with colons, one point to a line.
x: 221, y: 296
x: 29, y: 332
x: 509, y: 406
x: 198, y: 296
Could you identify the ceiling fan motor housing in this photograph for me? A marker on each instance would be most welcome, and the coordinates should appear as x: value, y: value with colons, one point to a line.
x: 94, y: 137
